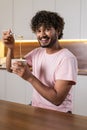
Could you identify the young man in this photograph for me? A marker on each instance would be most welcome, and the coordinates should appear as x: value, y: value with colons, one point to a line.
x: 54, y: 70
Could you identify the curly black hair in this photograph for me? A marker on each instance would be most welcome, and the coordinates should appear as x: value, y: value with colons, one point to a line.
x: 48, y: 19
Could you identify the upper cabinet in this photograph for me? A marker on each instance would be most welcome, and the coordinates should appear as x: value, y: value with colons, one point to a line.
x: 17, y: 14
x: 70, y: 10
x: 42, y: 5
x: 83, y: 19
x: 22, y: 16
x: 6, y: 17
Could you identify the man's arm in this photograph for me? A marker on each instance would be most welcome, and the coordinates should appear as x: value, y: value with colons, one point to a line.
x: 10, y: 55
x: 55, y: 95
x: 8, y: 41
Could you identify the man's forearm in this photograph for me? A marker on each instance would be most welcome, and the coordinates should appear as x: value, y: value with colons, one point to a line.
x: 49, y: 93
x: 10, y: 55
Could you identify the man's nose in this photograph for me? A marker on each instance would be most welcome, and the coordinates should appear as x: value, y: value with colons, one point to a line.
x: 43, y: 33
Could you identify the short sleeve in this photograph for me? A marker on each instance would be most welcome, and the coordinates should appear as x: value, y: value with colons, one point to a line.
x: 67, y: 70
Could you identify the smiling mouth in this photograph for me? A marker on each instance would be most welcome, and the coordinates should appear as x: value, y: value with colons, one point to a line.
x: 44, y: 39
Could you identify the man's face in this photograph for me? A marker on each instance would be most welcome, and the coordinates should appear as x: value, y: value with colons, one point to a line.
x: 47, y: 37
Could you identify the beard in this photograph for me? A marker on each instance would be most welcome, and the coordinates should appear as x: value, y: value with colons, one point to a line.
x: 50, y: 43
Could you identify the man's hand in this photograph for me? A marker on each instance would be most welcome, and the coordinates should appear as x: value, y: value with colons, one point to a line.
x: 8, y: 39
x: 22, y: 70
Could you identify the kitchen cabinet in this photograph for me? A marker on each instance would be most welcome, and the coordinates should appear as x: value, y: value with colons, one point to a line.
x: 83, y: 19
x: 24, y: 10
x: 15, y: 89
x: 80, y: 96
x: 17, y: 16
x: 6, y: 15
x: 21, y: 17
x: 2, y: 84
x: 70, y: 10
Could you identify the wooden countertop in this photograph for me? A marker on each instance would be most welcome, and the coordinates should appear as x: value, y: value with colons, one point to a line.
x: 14, y: 116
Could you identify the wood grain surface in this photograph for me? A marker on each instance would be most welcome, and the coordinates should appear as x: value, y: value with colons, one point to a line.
x: 14, y: 116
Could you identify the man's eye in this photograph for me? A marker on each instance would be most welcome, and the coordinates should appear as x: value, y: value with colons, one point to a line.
x: 38, y: 31
x: 48, y: 29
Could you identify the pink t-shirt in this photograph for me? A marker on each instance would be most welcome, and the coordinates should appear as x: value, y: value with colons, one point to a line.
x: 48, y: 68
